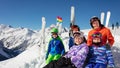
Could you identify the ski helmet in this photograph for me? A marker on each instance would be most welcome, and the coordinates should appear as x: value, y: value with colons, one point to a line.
x: 95, y: 19
x: 54, y: 30
x: 78, y: 33
x: 97, y: 35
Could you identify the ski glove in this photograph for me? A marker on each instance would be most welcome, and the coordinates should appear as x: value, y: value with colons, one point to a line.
x: 108, y: 46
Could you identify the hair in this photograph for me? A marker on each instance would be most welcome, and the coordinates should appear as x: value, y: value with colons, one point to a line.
x: 96, y: 19
x: 75, y: 26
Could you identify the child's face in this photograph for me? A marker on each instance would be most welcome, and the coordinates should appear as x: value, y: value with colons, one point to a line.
x: 95, y: 24
x: 54, y: 35
x: 96, y: 40
x: 78, y: 40
x: 75, y: 30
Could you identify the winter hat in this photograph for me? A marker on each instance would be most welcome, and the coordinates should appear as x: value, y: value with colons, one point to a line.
x: 78, y: 33
x: 94, y: 18
x: 54, y: 30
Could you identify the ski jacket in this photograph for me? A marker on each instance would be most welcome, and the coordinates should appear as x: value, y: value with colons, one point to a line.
x: 71, y: 42
x: 106, y: 36
x: 55, y: 46
x: 101, y: 55
x: 78, y: 54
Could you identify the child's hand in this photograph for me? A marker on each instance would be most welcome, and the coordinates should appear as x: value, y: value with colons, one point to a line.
x: 108, y: 46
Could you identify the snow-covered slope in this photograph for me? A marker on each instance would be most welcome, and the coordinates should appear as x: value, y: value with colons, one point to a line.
x: 16, y: 40
x: 31, y: 51
x: 26, y: 59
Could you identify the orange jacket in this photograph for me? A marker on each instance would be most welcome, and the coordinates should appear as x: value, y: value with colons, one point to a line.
x: 106, y: 36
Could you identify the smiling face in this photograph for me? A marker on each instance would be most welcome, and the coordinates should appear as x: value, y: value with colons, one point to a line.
x: 54, y: 35
x: 95, y: 24
x: 78, y: 40
x: 96, y: 40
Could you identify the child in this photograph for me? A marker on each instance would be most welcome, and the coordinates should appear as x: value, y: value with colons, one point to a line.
x: 74, y: 28
x: 99, y: 55
x: 55, y: 47
x: 79, y: 51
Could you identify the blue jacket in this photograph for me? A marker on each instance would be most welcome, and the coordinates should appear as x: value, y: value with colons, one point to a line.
x: 101, y: 55
x: 55, y: 46
x: 71, y: 42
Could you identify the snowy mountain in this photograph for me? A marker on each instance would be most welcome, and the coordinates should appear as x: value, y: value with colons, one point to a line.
x: 23, y: 48
x: 3, y: 54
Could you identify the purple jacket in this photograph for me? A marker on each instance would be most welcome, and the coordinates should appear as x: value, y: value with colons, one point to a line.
x: 78, y: 54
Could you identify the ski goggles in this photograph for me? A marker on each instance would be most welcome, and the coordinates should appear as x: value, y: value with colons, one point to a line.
x: 78, y: 33
x: 54, y: 33
x: 96, y: 36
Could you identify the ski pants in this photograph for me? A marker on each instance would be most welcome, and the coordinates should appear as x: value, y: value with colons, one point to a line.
x: 96, y: 65
x: 52, y: 57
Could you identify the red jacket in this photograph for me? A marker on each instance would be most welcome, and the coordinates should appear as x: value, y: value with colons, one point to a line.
x: 106, y: 36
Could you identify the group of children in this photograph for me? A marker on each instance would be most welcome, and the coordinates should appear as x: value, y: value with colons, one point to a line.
x: 96, y: 49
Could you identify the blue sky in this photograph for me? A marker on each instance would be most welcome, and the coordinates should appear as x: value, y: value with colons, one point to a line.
x: 28, y: 13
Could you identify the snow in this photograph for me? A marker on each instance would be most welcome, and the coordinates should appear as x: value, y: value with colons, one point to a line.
x: 28, y: 43
x: 30, y: 59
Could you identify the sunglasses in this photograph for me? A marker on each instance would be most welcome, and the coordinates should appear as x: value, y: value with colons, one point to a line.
x: 76, y: 34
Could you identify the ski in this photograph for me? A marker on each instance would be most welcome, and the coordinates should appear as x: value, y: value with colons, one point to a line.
x: 107, y: 18
x: 102, y: 17
x: 72, y: 20
x: 43, y: 29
